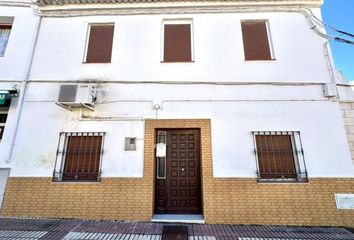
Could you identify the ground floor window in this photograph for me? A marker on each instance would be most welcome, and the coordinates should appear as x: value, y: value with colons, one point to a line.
x: 79, y: 156
x: 279, y: 157
x: 4, y: 110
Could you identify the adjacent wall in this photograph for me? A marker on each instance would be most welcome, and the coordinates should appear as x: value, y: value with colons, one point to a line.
x: 348, y: 119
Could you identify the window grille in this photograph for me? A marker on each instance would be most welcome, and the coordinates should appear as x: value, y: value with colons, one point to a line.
x: 79, y: 156
x: 279, y: 157
x: 4, y: 110
x: 4, y: 37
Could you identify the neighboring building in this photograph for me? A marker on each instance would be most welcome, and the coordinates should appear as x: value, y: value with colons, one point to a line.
x: 17, y: 32
x: 227, y: 110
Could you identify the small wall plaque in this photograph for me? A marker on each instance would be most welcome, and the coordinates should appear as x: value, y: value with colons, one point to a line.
x: 161, y: 150
x: 344, y: 201
x: 130, y: 144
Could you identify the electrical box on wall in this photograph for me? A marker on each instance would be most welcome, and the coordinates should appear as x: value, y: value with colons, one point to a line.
x: 344, y: 201
x: 330, y: 90
x: 130, y: 144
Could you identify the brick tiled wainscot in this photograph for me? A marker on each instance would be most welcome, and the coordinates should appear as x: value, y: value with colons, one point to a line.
x: 244, y: 201
x: 112, y: 198
x: 231, y: 200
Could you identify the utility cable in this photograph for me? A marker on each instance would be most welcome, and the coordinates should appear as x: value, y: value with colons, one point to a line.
x: 335, y: 38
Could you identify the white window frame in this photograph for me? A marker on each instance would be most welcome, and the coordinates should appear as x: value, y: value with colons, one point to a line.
x: 87, y: 39
x: 174, y: 21
x: 7, y: 21
x: 270, y: 39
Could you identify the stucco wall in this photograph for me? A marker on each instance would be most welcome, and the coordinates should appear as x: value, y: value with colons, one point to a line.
x: 218, y: 50
x: 233, y: 113
x: 15, y: 63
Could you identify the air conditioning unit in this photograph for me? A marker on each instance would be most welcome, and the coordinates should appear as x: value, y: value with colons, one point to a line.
x: 76, y: 96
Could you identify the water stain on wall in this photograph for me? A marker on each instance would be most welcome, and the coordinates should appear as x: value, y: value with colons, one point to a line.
x: 47, y: 160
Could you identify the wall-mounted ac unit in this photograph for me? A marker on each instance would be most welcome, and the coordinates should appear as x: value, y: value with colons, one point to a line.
x: 76, y: 96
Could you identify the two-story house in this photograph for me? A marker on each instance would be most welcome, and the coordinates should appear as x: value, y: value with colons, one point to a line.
x: 200, y: 111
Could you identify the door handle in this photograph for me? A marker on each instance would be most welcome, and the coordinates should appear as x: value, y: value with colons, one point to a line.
x: 182, y: 169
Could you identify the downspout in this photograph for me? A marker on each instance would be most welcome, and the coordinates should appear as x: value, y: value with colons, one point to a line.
x: 330, y: 64
x: 23, y: 86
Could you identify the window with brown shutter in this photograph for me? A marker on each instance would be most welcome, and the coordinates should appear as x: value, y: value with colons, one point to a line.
x: 177, y: 43
x: 5, y: 30
x: 99, y: 48
x: 80, y: 157
x: 255, y: 40
x: 278, y: 156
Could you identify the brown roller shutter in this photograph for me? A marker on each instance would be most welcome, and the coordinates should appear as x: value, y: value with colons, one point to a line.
x: 99, y: 48
x: 82, y: 159
x: 255, y: 41
x: 5, y: 26
x: 177, y: 43
x: 275, y: 156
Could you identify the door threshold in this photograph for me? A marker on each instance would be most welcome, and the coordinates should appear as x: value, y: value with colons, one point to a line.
x: 178, y: 218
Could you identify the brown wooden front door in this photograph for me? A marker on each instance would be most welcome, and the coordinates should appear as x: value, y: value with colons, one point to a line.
x: 178, y: 185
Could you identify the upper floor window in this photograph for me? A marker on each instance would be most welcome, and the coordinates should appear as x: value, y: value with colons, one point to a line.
x: 280, y: 157
x: 5, y: 30
x: 79, y: 156
x: 256, y: 41
x: 100, y: 41
x: 177, y: 41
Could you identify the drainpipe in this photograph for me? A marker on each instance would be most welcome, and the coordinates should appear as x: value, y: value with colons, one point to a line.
x: 23, y: 87
x: 330, y: 65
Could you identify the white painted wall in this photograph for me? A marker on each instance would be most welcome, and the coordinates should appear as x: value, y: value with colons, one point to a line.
x: 218, y: 50
x: 14, y: 63
x: 234, y: 115
x: 5, y: 142
x: 4, y: 173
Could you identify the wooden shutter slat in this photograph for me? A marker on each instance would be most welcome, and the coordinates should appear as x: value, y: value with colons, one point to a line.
x: 275, y: 156
x: 255, y: 41
x: 5, y: 26
x: 82, y: 157
x: 100, y: 43
x: 177, y: 43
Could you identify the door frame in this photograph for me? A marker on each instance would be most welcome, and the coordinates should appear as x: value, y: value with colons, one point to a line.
x: 166, y: 167
x: 205, y: 157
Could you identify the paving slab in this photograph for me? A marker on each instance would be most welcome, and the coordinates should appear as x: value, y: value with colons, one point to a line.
x: 67, y: 229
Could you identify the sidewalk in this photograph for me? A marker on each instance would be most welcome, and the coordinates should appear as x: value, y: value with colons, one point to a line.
x: 110, y: 230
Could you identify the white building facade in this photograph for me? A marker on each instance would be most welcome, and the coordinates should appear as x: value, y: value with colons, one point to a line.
x: 228, y: 110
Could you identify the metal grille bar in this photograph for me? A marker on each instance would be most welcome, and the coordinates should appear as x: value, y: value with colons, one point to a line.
x: 79, y: 156
x: 279, y: 156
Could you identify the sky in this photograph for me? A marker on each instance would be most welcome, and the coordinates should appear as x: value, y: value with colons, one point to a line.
x: 340, y: 15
